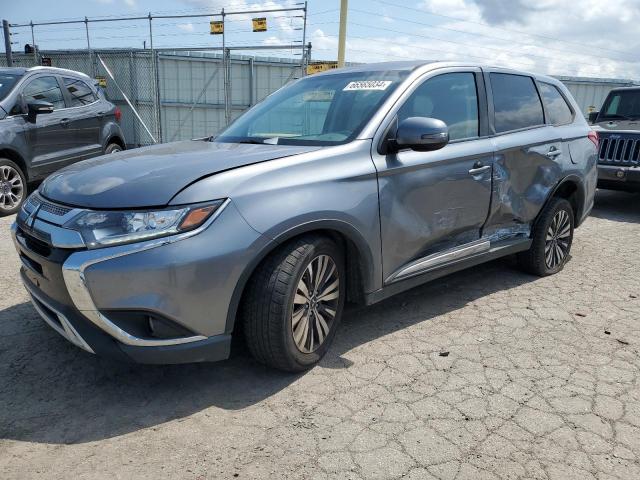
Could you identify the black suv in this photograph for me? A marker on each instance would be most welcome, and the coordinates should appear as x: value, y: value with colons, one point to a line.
x: 79, y: 123
x: 618, y: 124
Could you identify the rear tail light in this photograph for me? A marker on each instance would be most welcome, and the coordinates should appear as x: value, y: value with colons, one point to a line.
x: 118, y: 114
x: 595, y: 138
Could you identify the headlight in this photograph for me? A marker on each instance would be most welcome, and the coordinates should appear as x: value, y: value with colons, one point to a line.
x: 105, y: 228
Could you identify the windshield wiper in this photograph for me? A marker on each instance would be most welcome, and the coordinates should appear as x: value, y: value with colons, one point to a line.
x: 617, y: 115
x: 251, y: 141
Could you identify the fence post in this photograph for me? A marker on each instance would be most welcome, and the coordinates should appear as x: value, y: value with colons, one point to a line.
x: 91, y: 64
x: 7, y: 42
x: 33, y: 44
x: 133, y: 79
x: 304, y: 39
x: 155, y: 83
x: 252, y: 81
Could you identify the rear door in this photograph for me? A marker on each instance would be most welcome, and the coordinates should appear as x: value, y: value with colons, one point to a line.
x: 431, y: 202
x: 84, y: 118
x: 529, y: 154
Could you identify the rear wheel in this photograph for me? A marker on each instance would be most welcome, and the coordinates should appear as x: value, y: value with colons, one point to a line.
x: 13, y: 187
x: 293, y: 304
x: 552, y: 239
x: 112, y: 148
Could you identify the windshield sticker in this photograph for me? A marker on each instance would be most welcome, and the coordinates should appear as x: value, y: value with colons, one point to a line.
x: 367, y: 85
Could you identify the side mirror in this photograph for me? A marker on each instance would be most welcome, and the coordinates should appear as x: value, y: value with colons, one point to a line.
x: 422, y: 134
x: 38, y: 108
x: 593, y: 116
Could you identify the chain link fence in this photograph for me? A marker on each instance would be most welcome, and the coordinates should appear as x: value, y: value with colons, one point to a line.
x: 185, y: 99
x: 169, y: 94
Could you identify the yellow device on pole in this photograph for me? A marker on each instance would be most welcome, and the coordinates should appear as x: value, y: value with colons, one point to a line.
x: 259, y: 24
x: 216, y: 27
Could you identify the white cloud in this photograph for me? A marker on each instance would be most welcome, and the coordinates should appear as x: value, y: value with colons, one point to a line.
x: 561, y: 37
x: 186, y: 27
x: 130, y: 3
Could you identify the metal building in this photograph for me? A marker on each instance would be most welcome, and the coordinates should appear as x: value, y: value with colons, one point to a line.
x: 590, y: 93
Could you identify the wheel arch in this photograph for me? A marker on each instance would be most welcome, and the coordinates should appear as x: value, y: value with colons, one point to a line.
x: 15, y: 157
x: 117, y: 139
x: 358, y: 260
x: 572, y: 189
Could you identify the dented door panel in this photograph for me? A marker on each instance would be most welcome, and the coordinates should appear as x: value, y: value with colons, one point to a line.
x: 429, y: 201
x: 527, y: 166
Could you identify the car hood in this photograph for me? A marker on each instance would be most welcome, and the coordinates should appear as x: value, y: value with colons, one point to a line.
x: 619, y: 125
x: 152, y: 176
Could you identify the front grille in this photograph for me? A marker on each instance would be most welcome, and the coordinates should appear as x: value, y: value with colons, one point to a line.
x: 620, y: 149
x: 54, y: 209
x: 36, y: 200
x: 35, y: 244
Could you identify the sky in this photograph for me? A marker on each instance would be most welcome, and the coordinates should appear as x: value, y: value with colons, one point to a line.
x: 594, y: 38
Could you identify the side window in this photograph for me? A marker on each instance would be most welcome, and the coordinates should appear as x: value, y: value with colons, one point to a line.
x: 516, y: 102
x: 45, y: 89
x: 450, y: 97
x: 557, y: 108
x: 81, y: 93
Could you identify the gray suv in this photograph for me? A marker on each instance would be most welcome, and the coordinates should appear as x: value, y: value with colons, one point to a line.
x: 351, y: 185
x: 49, y: 118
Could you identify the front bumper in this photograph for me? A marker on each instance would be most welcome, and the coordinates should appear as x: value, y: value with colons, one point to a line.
x: 187, y: 281
x: 614, y: 177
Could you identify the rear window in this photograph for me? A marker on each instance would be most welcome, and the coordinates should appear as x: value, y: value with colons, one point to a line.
x: 516, y: 102
x: 557, y: 108
x: 81, y: 93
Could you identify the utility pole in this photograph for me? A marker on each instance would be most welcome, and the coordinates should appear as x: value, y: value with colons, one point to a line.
x: 342, y: 36
x: 7, y: 42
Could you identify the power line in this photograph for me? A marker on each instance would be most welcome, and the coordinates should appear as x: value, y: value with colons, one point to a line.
x: 501, y: 50
x: 520, y: 32
x: 528, y: 44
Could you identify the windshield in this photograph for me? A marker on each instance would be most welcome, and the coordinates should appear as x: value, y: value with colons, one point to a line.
x: 623, y: 105
x: 321, y: 110
x: 7, y: 82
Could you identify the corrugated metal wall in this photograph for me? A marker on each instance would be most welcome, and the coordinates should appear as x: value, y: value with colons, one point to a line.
x: 591, y: 92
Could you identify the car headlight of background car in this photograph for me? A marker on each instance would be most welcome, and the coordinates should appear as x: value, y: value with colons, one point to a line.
x: 106, y: 228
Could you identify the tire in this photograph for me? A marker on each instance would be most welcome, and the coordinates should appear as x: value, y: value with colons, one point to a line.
x: 275, y: 306
x: 13, y: 187
x: 112, y: 148
x: 552, y: 238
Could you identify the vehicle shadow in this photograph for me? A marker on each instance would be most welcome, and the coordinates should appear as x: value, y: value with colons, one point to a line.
x: 52, y: 392
x: 617, y: 206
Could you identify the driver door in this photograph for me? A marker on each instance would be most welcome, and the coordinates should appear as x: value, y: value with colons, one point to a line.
x: 437, y: 202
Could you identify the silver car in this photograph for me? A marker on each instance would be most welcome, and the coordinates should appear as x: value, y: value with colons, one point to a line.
x: 347, y: 186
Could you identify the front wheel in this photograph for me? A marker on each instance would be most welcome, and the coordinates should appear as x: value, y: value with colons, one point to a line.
x: 552, y: 239
x: 293, y: 304
x: 13, y: 187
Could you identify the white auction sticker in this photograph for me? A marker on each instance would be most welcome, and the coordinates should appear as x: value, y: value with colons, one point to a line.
x: 368, y: 85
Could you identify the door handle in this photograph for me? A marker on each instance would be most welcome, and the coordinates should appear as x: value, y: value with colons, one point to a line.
x: 478, y: 168
x: 553, y: 153
x: 64, y: 122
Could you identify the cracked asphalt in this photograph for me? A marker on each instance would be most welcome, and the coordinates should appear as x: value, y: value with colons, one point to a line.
x: 488, y: 373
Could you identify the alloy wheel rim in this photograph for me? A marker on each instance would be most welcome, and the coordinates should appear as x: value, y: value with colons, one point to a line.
x: 315, y: 304
x: 11, y: 188
x: 116, y: 149
x: 558, y: 239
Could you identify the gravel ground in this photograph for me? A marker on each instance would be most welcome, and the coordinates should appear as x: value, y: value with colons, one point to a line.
x: 541, y: 381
